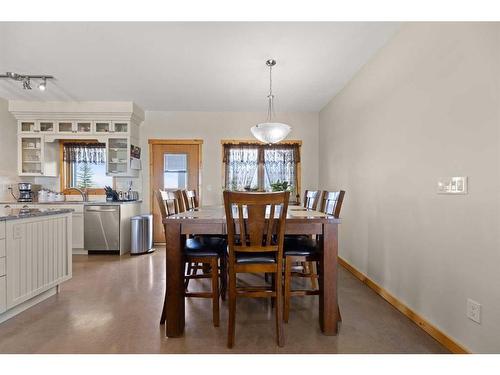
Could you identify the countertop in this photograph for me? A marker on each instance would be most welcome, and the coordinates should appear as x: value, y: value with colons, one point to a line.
x: 71, y: 202
x: 17, y: 213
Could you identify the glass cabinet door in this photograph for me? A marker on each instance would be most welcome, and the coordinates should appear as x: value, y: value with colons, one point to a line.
x: 120, y: 127
x: 65, y: 127
x: 31, y: 155
x: 102, y: 126
x: 28, y: 127
x: 46, y: 126
x: 117, y: 155
x: 84, y: 127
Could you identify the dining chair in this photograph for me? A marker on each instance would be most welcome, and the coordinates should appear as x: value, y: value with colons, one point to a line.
x: 311, y: 199
x: 198, y: 250
x: 306, y: 249
x: 255, y: 246
x: 190, y: 199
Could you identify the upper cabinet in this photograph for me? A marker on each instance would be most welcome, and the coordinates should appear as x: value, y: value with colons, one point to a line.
x: 42, y: 124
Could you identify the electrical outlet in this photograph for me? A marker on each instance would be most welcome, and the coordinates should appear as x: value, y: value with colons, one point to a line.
x: 474, y: 310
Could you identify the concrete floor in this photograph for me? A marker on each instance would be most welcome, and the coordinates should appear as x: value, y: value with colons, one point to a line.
x: 113, y: 305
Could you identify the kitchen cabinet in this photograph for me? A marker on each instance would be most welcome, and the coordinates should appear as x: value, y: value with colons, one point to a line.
x: 112, y: 127
x: 36, y: 157
x: 38, y: 258
x: 119, y: 160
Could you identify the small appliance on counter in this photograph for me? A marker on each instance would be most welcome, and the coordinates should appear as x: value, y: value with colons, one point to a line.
x: 26, y: 192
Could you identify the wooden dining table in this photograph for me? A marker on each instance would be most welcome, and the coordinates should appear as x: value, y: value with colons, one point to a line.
x: 211, y: 220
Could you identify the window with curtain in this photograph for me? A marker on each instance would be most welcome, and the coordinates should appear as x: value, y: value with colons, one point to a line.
x: 254, y: 167
x: 84, y: 166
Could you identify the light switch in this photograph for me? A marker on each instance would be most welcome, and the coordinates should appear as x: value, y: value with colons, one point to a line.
x: 452, y: 185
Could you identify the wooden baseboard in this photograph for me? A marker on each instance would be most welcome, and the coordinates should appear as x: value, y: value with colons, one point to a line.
x: 438, y: 335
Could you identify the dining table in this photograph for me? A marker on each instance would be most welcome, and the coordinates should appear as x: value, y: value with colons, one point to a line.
x: 211, y: 220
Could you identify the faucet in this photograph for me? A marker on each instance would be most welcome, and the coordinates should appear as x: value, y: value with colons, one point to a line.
x: 83, y: 193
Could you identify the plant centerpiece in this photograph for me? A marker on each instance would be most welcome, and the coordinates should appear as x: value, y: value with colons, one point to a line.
x: 281, y: 186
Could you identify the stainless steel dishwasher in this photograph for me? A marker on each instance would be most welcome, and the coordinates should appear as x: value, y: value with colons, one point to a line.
x: 101, y: 228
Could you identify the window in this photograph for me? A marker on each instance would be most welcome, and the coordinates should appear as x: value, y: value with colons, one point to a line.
x: 254, y: 167
x: 175, y: 171
x: 84, y: 166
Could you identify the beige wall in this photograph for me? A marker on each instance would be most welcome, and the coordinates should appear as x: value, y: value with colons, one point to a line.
x: 212, y: 127
x: 426, y: 106
x: 8, y: 147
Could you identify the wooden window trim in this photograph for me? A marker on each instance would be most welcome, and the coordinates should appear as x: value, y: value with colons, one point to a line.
x: 63, y: 170
x: 261, y: 167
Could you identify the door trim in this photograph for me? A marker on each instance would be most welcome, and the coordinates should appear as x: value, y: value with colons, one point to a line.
x: 152, y: 142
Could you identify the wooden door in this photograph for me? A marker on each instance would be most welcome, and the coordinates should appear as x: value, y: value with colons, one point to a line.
x: 174, y: 165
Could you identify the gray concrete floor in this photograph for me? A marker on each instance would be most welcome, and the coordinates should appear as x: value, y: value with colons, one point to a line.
x: 113, y: 305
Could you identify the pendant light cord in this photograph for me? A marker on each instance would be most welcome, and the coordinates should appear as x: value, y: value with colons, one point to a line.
x: 270, y: 109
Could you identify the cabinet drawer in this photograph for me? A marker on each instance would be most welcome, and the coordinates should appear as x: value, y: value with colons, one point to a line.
x: 3, y: 294
x: 2, y: 248
x: 2, y: 229
x: 2, y: 266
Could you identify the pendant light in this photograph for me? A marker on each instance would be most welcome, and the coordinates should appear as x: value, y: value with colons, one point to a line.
x: 270, y: 132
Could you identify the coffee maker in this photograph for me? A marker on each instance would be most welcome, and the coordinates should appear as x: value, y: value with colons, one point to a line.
x: 25, y: 192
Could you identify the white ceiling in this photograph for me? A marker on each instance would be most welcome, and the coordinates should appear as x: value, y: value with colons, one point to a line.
x: 190, y: 66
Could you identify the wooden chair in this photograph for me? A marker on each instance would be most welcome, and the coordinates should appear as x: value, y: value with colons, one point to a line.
x: 198, y: 250
x: 311, y: 199
x: 255, y: 246
x: 190, y: 199
x: 306, y: 249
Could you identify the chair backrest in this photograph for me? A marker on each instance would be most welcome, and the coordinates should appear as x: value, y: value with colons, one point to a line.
x: 168, y: 202
x: 311, y: 199
x: 259, y: 218
x: 332, y: 202
x: 190, y: 199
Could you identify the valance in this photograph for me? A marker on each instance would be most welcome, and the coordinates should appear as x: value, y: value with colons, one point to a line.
x: 79, y: 152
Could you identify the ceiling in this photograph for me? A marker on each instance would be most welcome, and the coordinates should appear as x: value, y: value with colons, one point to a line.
x: 191, y: 66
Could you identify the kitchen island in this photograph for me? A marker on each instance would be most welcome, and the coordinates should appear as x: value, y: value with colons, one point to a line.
x: 35, y: 256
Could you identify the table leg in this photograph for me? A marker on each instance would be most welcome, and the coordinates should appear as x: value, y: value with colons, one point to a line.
x: 328, y: 304
x: 174, y: 280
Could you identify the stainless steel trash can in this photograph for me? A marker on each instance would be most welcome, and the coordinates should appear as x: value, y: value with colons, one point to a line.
x: 141, y: 232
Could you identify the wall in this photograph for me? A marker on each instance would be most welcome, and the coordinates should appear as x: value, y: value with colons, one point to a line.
x: 426, y: 106
x: 8, y: 145
x: 212, y: 127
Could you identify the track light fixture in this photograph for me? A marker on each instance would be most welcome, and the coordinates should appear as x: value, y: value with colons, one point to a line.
x: 26, y: 79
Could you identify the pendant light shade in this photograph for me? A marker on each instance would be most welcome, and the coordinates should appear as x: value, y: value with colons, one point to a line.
x: 270, y: 132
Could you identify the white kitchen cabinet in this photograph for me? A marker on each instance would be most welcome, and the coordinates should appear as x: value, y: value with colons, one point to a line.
x: 38, y: 256
x: 3, y: 294
x: 28, y: 127
x: 36, y: 157
x: 66, y: 127
x: 121, y: 127
x: 102, y: 127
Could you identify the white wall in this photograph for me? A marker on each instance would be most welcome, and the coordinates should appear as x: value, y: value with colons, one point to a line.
x: 8, y: 154
x: 426, y: 106
x: 212, y: 127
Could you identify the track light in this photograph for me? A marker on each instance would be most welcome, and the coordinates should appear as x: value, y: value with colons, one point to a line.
x: 43, y: 85
x: 26, y: 79
x: 26, y: 83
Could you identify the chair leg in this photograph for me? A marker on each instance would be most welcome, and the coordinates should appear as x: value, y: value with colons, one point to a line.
x: 232, y: 307
x: 215, y: 291
x: 312, y: 272
x: 273, y: 287
x: 190, y: 271
x: 287, y: 289
x: 223, y: 276
x: 279, y: 308
x: 338, y: 311
x: 163, y: 318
